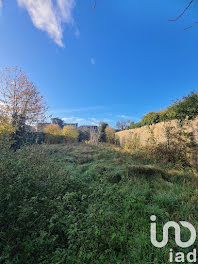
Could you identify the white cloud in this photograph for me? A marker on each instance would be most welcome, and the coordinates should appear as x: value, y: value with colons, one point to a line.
x: 49, y: 15
x: 93, y: 62
x: 65, y: 8
x: 81, y: 121
x: 73, y: 119
x: 1, y: 4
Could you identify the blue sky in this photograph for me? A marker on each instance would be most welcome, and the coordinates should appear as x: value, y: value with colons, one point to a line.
x: 117, y: 61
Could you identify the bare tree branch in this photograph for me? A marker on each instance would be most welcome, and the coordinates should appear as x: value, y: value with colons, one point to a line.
x: 184, y: 11
x: 194, y: 24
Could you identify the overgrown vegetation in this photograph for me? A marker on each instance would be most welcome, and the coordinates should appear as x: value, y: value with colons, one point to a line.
x: 110, y: 135
x: 6, y: 131
x: 54, y: 134
x: 178, y: 147
x: 87, y: 204
x: 187, y: 108
x: 175, y: 145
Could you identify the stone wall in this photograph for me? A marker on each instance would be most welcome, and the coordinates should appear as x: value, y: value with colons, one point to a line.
x: 158, y: 130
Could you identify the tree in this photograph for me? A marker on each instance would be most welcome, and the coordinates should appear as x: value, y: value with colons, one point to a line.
x: 22, y: 100
x: 132, y: 123
x: 151, y: 118
x: 6, y: 131
x: 110, y: 135
x: 101, y: 130
x: 53, y: 134
x: 52, y: 129
x: 58, y: 121
x: 187, y: 108
x: 123, y: 124
x: 70, y: 133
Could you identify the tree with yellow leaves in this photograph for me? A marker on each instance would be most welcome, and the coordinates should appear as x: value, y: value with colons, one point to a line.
x: 70, y: 133
x: 6, y: 131
x: 110, y: 135
x: 53, y: 134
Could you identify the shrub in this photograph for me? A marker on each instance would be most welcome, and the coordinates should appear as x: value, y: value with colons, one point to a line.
x: 53, y: 129
x: 188, y: 108
x: 110, y: 135
x: 6, y: 132
x: 101, y: 130
x: 151, y: 118
x: 133, y: 144
x: 70, y: 134
x: 177, y: 149
x: 117, y: 140
x: 53, y: 134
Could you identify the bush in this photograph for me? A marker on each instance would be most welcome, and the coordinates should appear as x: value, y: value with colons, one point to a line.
x: 117, y: 140
x: 178, y: 149
x: 31, y: 138
x: 133, y: 144
x: 70, y: 134
x: 6, y: 132
x: 188, y: 108
x: 110, y: 135
x: 53, y: 134
x: 101, y: 132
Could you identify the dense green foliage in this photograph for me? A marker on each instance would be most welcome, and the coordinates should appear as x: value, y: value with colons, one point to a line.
x: 187, y: 108
x: 82, y: 204
x: 101, y: 132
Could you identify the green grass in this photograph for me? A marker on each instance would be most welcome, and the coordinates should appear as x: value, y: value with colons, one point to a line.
x: 87, y: 204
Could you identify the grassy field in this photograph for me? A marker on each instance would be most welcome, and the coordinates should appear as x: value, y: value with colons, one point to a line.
x: 88, y: 204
